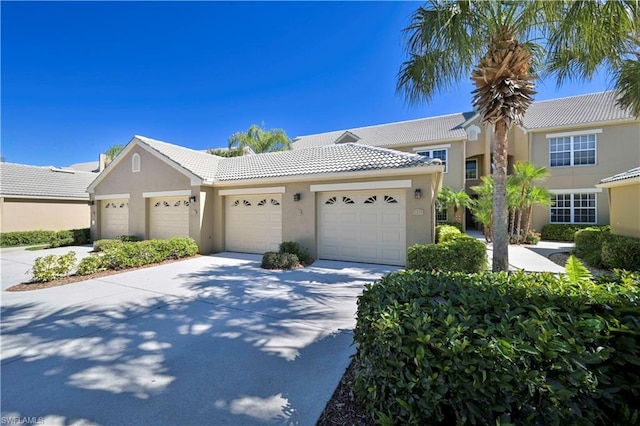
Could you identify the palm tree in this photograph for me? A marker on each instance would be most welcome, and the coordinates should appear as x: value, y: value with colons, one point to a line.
x: 535, y: 196
x: 599, y: 35
x: 495, y: 43
x: 112, y: 152
x: 482, y: 206
x: 448, y: 198
x: 260, y: 140
x: 222, y: 152
x: 524, y: 178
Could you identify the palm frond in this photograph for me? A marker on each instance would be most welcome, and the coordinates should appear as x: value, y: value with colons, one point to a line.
x: 575, y: 271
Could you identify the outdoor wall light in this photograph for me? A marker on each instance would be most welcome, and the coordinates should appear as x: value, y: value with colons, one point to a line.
x: 192, y: 199
x: 92, y: 203
x: 296, y: 197
x: 418, y: 193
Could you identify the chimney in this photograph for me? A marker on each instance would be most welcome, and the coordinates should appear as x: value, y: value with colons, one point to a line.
x: 102, y: 162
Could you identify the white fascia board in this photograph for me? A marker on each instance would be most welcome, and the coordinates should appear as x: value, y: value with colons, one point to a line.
x: 431, y: 147
x: 575, y: 133
x: 355, y: 186
x: 251, y: 191
x: 112, y: 197
x: 37, y: 197
x: 581, y: 125
x: 575, y: 191
x: 621, y: 182
x: 427, y: 169
x: 178, y: 193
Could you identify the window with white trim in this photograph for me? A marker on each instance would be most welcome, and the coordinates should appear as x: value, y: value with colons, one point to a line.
x: 574, y: 208
x: 471, y: 170
x: 441, y: 214
x: 578, y: 150
x: 440, y: 154
x: 135, y: 162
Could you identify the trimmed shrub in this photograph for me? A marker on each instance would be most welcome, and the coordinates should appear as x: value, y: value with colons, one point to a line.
x: 90, y: 265
x: 518, y: 348
x: 81, y: 236
x: 51, y: 267
x: 457, y: 225
x: 564, y: 231
x: 62, y: 239
x: 273, y: 260
x: 129, y: 238
x: 293, y: 247
x: 122, y: 255
x: 102, y: 245
x: 52, y: 238
x: 621, y: 252
x: 463, y: 254
x: 445, y: 233
x: 589, y: 245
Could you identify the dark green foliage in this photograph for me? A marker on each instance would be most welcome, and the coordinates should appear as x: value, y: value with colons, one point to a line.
x: 293, y: 247
x: 52, y: 238
x: 463, y: 254
x: 621, y: 252
x: 91, y: 265
x: 527, y: 349
x: 589, y: 245
x: 130, y: 254
x: 564, y: 232
x: 129, y: 238
x: 456, y: 225
x: 273, y: 260
x: 445, y: 233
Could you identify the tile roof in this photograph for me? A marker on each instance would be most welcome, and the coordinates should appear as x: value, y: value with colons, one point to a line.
x: 199, y: 163
x: 347, y: 157
x: 445, y: 127
x: 89, y: 166
x: 574, y: 110
x: 633, y: 173
x: 37, y: 181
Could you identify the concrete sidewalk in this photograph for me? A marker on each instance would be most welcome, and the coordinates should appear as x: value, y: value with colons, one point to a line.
x: 530, y: 258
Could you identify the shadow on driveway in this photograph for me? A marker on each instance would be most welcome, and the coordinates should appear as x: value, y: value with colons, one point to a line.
x: 211, y: 340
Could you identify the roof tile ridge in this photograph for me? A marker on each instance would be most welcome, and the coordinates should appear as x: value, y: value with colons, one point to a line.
x: 574, y: 96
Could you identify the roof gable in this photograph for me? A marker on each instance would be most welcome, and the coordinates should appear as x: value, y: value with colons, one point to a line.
x: 347, y: 137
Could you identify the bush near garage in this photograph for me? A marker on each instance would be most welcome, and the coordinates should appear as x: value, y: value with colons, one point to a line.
x: 52, y: 238
x: 565, y: 232
x: 91, y: 265
x: 463, y: 254
x: 51, y: 267
x: 289, y: 255
x: 119, y: 254
x: 517, y: 348
x: 293, y: 247
x: 445, y: 233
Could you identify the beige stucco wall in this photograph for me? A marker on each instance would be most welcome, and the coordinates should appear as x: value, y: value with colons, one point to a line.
x: 32, y: 214
x: 155, y: 175
x: 617, y: 149
x: 454, y: 176
x: 625, y: 209
x: 299, y: 219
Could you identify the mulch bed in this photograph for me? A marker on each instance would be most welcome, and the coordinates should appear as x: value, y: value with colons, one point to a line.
x: 29, y: 286
x: 343, y: 408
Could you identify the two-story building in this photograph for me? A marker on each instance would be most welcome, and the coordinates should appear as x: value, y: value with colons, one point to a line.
x: 580, y: 140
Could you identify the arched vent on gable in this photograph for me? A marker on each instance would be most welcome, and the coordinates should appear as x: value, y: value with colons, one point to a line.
x: 135, y: 163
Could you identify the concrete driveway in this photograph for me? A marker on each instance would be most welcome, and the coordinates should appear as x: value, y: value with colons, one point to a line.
x: 207, y: 341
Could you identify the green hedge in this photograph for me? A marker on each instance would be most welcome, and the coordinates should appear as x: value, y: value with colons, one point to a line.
x: 525, y: 349
x: 589, y: 245
x: 130, y: 254
x: 446, y: 233
x: 621, y: 252
x: 273, y: 260
x: 564, y: 232
x: 463, y: 254
x: 52, y: 238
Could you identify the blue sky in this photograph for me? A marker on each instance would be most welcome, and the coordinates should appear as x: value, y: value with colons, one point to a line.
x: 79, y: 77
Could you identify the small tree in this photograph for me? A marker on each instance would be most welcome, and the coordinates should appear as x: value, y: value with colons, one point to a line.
x: 112, y: 152
x: 221, y: 152
x: 448, y: 198
x: 260, y: 140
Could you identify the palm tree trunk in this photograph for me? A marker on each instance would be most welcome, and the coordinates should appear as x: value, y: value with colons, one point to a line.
x: 500, y: 215
x: 512, y: 225
x: 527, y: 221
x: 519, y: 226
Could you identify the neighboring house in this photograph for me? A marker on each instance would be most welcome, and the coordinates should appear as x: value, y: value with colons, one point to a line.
x: 345, y: 201
x: 33, y: 198
x: 624, y: 202
x: 580, y: 140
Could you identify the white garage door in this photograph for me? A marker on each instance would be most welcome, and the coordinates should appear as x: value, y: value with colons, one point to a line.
x: 253, y: 223
x: 363, y: 226
x: 115, y: 218
x: 169, y: 217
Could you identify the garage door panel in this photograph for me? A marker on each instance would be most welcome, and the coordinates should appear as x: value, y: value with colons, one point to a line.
x: 114, y: 218
x: 253, y: 223
x: 363, y: 226
x: 168, y: 217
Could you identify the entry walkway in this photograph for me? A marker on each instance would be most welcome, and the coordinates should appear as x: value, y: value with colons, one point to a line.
x: 531, y: 258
